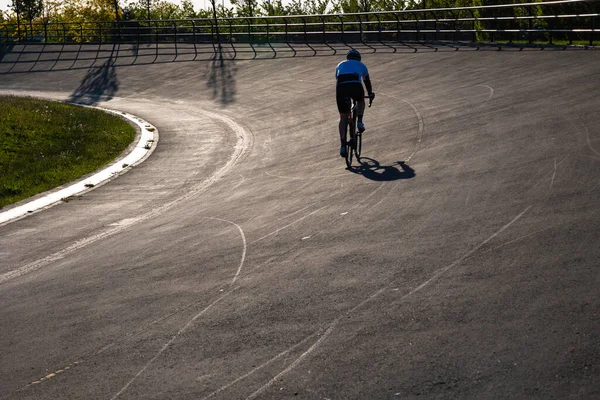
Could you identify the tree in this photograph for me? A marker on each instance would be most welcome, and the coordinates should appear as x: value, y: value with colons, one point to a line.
x: 28, y: 9
x: 245, y: 8
x: 272, y: 7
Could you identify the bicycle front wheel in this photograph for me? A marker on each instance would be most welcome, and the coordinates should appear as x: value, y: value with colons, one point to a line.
x: 358, y: 146
x: 350, y: 147
x: 349, y: 151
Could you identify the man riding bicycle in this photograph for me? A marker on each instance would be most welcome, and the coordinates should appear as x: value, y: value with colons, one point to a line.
x: 349, y: 75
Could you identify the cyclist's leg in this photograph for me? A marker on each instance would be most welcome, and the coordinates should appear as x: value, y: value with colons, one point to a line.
x: 343, y: 104
x: 343, y: 127
x: 358, y: 94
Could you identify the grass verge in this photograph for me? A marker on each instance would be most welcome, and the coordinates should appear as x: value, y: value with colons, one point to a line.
x: 45, y: 144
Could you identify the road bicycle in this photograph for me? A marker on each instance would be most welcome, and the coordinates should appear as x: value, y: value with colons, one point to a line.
x: 353, y: 136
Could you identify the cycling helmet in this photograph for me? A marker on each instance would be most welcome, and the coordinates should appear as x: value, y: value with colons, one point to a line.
x: 353, y: 55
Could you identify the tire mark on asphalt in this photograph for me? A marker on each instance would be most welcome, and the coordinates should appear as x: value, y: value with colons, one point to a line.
x: 166, y: 345
x: 243, y: 143
x: 376, y: 294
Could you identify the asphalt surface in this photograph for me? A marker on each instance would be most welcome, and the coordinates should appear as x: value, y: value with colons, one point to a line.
x: 242, y: 260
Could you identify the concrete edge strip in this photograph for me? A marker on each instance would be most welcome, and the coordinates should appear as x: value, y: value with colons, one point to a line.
x: 144, y: 147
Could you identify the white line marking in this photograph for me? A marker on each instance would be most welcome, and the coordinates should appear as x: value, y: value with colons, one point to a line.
x: 187, y: 325
x: 295, y: 363
x: 242, y: 144
x: 556, y: 165
x: 306, y: 177
x: 436, y: 275
x: 491, y: 91
x: 243, y: 242
x: 313, y: 347
x: 239, y: 184
x: 421, y: 128
x: 278, y: 356
x: 443, y: 270
x: 554, y: 173
x: 588, y: 140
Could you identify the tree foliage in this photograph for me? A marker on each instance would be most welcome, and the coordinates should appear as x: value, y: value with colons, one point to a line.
x: 28, y: 9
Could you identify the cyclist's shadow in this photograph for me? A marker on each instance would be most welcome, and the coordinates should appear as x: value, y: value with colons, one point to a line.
x: 371, y: 169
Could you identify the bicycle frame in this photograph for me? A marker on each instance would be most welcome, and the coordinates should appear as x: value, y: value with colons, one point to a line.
x: 353, y: 137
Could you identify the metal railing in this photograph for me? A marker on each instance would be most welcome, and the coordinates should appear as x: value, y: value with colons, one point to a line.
x: 564, y: 21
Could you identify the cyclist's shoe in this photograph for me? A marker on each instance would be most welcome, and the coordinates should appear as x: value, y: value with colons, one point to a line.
x: 343, y: 150
x: 361, y: 127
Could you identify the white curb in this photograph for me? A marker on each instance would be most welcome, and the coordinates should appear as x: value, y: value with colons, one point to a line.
x: 144, y: 147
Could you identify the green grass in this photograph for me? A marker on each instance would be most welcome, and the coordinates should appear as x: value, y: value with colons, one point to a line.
x: 45, y: 144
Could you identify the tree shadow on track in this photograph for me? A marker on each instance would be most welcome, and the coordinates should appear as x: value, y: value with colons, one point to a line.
x: 373, y: 170
x: 5, y: 49
x: 99, y: 84
x: 220, y: 77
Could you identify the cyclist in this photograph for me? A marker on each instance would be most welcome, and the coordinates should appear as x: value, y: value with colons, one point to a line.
x: 349, y: 75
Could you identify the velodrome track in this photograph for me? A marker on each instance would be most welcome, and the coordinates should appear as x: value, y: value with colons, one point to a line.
x: 243, y: 261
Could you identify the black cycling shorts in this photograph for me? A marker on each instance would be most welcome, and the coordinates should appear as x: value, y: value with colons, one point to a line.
x: 345, y: 91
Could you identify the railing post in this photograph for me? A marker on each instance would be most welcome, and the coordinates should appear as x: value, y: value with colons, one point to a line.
x: 175, y: 37
x: 378, y: 27
x: 530, y: 33
x: 230, y: 31
x: 592, y: 22
x: 435, y: 26
x: 342, y: 26
x: 417, y: 27
x: 286, y: 31
x: 453, y: 25
x: 324, y: 35
x: 305, y: 33
x: 592, y: 27
x: 551, y: 28
x: 137, y: 38
x: 360, y: 27
x: 473, y: 28
x: 156, y: 36
x: 268, y: 31
x: 249, y: 30
x: 397, y: 27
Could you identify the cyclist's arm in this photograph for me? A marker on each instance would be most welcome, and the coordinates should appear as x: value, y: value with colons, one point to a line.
x: 367, y: 81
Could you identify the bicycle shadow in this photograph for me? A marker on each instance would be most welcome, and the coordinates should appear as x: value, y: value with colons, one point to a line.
x: 373, y: 170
